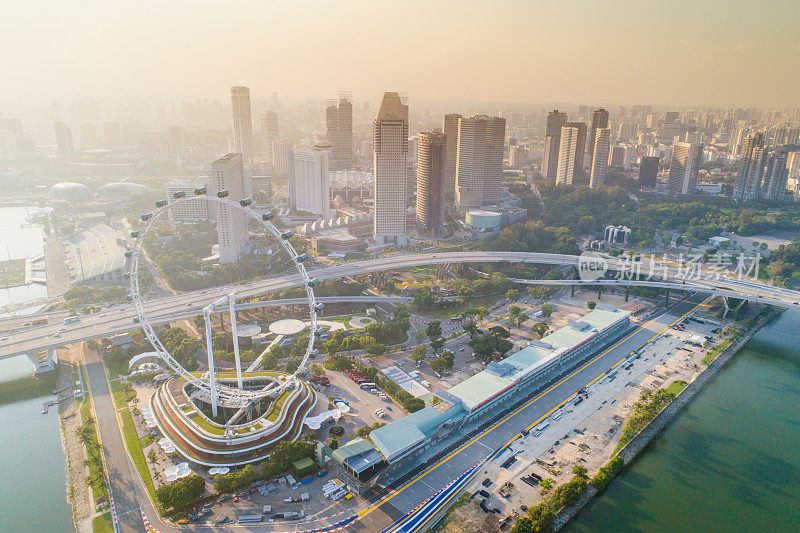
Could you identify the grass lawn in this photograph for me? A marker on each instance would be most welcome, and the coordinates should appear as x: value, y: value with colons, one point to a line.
x: 118, y: 394
x: 102, y: 523
x: 716, y: 351
x: 458, y: 309
x: 12, y: 273
x: 460, y: 502
x: 135, y: 449
x: 676, y: 387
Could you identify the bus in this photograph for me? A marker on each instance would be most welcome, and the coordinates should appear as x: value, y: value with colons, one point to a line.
x: 71, y: 320
x: 368, y: 385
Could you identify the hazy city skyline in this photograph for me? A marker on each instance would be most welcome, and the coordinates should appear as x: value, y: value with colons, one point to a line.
x: 614, y: 53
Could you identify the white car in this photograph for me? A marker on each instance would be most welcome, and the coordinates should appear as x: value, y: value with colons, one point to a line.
x: 56, y: 334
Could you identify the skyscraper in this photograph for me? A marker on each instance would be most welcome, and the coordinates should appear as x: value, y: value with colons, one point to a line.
x: 602, y: 143
x: 339, y: 121
x: 283, y: 157
x: 390, y: 150
x: 599, y: 120
x: 580, y: 151
x: 242, y: 123
x: 776, y: 173
x: 648, y: 171
x: 431, y: 163
x: 555, y: 121
x: 479, y: 165
x: 227, y: 173
x: 750, y: 170
x: 567, y: 151
x: 450, y: 129
x: 270, y: 132
x: 187, y: 210
x: 177, y: 144
x: 683, y: 167
x: 64, y: 138
x: 311, y: 187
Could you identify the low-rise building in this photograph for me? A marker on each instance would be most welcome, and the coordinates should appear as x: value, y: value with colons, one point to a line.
x: 410, y: 441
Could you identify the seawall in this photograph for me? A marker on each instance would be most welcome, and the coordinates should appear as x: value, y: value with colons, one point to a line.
x: 639, y: 442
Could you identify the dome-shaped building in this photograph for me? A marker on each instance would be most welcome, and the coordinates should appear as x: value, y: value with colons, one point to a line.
x: 122, y: 190
x: 69, y: 191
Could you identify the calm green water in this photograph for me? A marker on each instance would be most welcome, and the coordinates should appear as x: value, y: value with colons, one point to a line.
x: 730, y: 461
x: 32, y: 470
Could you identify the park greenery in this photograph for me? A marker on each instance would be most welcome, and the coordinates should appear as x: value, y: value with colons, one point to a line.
x: 488, y: 343
x: 279, y: 462
x: 644, y: 411
x: 587, y: 211
x: 539, y: 518
x: 607, y: 473
x: 364, y: 431
x: 87, y: 435
x: 443, y: 363
x: 373, y: 339
x: 180, y: 253
x: 182, y: 494
x: 782, y: 266
x: 181, y: 345
x: 78, y: 298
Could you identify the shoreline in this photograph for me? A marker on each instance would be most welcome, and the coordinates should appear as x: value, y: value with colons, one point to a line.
x: 77, y: 490
x: 641, y: 440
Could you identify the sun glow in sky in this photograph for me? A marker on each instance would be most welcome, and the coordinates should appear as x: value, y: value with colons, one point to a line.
x: 689, y: 52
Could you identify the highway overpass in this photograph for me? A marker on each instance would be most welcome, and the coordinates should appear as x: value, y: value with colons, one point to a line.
x: 120, y: 320
x: 189, y: 304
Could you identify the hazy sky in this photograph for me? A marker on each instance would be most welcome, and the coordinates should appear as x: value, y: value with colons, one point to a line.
x: 731, y: 52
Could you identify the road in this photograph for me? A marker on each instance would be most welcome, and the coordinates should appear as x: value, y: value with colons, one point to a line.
x: 121, y: 477
x: 393, y: 511
x: 188, y: 304
x: 118, y: 319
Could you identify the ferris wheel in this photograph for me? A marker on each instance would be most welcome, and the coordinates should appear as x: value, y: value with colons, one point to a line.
x: 208, y: 384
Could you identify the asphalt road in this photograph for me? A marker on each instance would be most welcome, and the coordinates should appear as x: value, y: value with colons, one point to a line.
x: 393, y: 511
x: 121, y: 477
x: 121, y: 318
x: 432, y: 477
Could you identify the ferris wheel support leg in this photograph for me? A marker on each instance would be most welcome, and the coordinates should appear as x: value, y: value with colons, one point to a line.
x: 212, y: 378
x: 232, y: 305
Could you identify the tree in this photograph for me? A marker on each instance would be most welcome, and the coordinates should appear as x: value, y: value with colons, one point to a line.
x: 437, y: 343
x: 424, y: 299
x: 434, y: 329
x: 538, y: 520
x: 500, y: 331
x: 512, y: 295
x: 466, y: 294
x: 547, y: 310
x: 591, y: 304
x: 418, y: 353
x: 449, y: 359
x: 182, y: 494
x: 317, y: 369
x: 540, y: 328
x: 470, y: 329
x: 437, y: 365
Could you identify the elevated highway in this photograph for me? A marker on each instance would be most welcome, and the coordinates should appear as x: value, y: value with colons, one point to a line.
x: 120, y: 320
x: 189, y: 304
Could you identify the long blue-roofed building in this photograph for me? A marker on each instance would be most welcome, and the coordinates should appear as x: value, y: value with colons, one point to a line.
x: 409, y: 442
